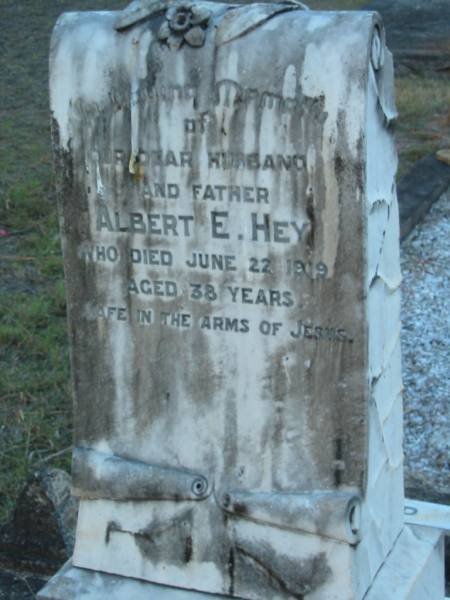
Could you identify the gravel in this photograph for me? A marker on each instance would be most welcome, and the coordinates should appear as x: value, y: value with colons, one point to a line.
x: 425, y: 258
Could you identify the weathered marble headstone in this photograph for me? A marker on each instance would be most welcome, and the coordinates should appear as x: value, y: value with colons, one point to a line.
x: 230, y: 236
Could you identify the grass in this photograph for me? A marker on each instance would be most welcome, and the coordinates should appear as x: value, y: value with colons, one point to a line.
x: 419, y: 98
x: 34, y: 373
x: 335, y: 4
x: 35, y: 403
x: 423, y: 127
x: 35, y: 413
x: 34, y: 390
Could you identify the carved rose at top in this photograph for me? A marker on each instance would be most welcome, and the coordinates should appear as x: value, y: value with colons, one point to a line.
x: 184, y: 23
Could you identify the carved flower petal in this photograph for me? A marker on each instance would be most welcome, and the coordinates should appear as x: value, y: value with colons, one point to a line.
x: 195, y: 37
x: 200, y: 15
x: 181, y: 21
x: 171, y: 12
x: 174, y: 41
x: 164, y: 31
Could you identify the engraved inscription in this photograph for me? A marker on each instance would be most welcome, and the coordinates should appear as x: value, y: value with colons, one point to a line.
x: 204, y: 227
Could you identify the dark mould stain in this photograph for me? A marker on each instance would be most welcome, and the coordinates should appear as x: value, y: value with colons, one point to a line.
x: 154, y: 67
x: 360, y: 165
x: 239, y: 508
x: 168, y: 541
x: 360, y: 173
x: 258, y: 563
x: 64, y: 167
x: 339, y: 166
x: 295, y: 578
x: 338, y: 457
x: 231, y: 566
x: 312, y: 220
x: 111, y: 528
x: 188, y: 549
x: 195, y: 76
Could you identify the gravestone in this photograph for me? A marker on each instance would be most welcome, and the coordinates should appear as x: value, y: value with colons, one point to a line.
x: 230, y: 237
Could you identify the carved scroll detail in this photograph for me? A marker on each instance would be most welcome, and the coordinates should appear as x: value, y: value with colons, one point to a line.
x: 329, y: 514
x: 97, y: 475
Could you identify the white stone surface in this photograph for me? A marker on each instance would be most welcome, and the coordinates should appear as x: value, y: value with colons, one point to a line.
x: 382, y: 514
x: 119, y: 555
x: 427, y: 514
x: 415, y: 568
x: 72, y: 583
x: 273, y: 369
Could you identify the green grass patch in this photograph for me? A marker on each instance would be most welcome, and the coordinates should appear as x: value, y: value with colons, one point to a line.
x: 423, y: 103
x: 35, y: 402
x: 35, y: 405
x: 35, y: 399
x: 420, y: 98
x: 335, y: 4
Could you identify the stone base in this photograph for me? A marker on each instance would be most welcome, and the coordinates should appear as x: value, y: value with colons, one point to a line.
x: 415, y: 568
x: 413, y: 571
x: 72, y: 583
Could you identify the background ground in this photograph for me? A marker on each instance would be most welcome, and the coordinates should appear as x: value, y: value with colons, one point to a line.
x: 35, y: 405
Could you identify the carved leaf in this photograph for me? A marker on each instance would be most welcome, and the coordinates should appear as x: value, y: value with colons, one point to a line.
x: 195, y: 37
x: 200, y: 14
x: 239, y: 21
x: 175, y: 41
x: 164, y: 32
x: 138, y: 11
